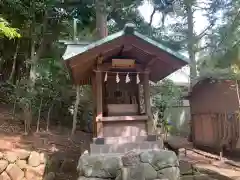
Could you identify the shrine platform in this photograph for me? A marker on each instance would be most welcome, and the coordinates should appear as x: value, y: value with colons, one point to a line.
x: 124, y: 144
x: 125, y: 118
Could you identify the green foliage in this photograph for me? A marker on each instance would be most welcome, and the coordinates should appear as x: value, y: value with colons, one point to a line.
x: 164, y: 95
x: 41, y: 24
x: 224, y: 39
x: 6, y: 30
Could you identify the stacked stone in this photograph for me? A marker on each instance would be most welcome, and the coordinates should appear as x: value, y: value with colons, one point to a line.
x: 22, y: 165
x: 190, y: 172
x: 146, y: 165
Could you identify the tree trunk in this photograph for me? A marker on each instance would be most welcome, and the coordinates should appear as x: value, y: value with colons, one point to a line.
x: 39, y: 115
x: 191, y: 40
x: 34, y: 58
x: 27, y: 117
x: 74, y: 29
x: 74, y: 125
x: 191, y: 52
x: 48, y: 117
x: 101, y: 19
x: 14, y: 62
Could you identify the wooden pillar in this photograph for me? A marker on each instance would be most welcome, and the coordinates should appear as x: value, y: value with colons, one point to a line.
x: 148, y: 111
x: 99, y: 101
x: 94, y: 97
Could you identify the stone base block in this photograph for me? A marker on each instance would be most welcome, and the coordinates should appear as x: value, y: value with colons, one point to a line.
x: 133, y: 165
x: 123, y: 140
x: 196, y: 177
x: 123, y: 148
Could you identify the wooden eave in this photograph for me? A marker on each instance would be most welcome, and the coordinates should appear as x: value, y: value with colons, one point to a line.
x: 160, y: 60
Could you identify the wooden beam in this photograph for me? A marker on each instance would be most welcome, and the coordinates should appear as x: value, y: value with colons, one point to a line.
x: 94, y: 97
x: 85, y: 57
x: 145, y: 51
x: 125, y: 118
x: 148, y: 111
x: 108, y: 67
x: 99, y: 103
x: 127, y: 48
x: 151, y: 62
x: 153, y: 50
x: 121, y: 50
x: 149, y: 53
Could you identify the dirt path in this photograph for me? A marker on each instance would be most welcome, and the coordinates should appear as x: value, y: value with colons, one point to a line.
x: 215, y: 168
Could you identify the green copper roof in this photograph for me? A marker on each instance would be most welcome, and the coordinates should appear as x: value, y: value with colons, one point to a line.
x: 128, y: 30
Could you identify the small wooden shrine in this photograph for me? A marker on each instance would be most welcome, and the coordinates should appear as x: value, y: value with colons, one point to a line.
x: 119, y: 68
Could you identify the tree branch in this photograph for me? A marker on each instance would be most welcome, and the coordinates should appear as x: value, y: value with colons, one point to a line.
x: 151, y: 17
x: 229, y: 30
x: 203, y: 33
x: 204, y: 47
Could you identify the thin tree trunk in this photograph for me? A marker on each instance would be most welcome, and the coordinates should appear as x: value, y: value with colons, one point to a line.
x: 14, y: 108
x: 14, y: 62
x: 74, y: 125
x: 27, y: 117
x: 151, y: 17
x: 48, y: 117
x: 27, y: 106
x: 39, y: 115
x: 34, y: 58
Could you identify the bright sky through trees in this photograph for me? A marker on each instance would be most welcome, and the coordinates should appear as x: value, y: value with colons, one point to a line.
x: 146, y: 9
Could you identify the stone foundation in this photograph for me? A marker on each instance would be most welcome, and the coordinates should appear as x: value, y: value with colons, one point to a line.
x: 122, y: 145
x: 133, y: 165
x: 22, y: 165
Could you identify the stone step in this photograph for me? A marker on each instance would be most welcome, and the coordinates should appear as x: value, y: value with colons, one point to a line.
x: 123, y: 140
x: 123, y: 148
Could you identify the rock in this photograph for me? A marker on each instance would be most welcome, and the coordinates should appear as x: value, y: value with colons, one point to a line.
x: 130, y: 158
x: 170, y: 173
x: 40, y: 169
x: 185, y: 167
x: 1, y: 155
x: 68, y: 165
x: 50, y: 176
x: 99, y: 166
x: 53, y: 164
x: 143, y: 171
x: 131, y: 173
x: 160, y: 159
x: 14, y: 172
x: 85, y: 178
x: 148, y: 171
x: 196, y: 177
x: 34, y: 159
x: 10, y: 156
x: 22, y: 154
x: 32, y: 174
x: 37, y: 171
x: 22, y: 164
x: 4, y: 176
x: 148, y: 165
x: 3, y: 165
x: 43, y: 158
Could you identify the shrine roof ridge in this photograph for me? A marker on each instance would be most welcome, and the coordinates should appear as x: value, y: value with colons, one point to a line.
x: 129, y: 29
